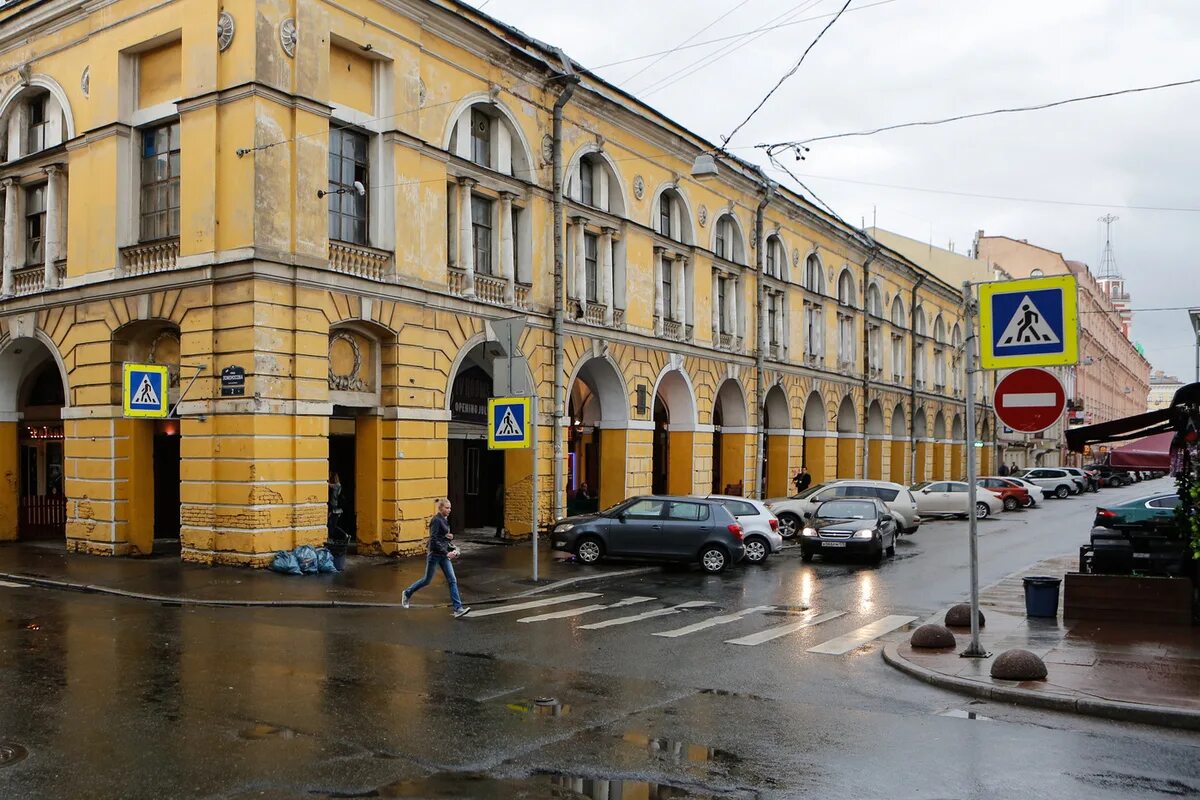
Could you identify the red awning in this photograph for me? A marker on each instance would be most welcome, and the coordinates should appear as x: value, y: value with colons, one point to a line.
x: 1153, y: 452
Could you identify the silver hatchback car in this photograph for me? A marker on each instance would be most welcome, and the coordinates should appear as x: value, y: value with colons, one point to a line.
x: 793, y: 511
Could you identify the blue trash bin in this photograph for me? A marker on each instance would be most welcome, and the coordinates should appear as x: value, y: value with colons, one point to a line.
x: 1041, y: 596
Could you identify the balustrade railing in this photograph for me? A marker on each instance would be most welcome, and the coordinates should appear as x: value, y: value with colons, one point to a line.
x: 143, y: 259
x: 359, y: 261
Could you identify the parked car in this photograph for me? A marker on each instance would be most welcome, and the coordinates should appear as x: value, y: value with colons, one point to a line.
x: 950, y: 498
x: 1012, y: 494
x: 1037, y: 494
x: 1090, y: 480
x: 793, y: 511
x: 1143, y: 513
x: 1055, y: 481
x: 1108, y: 476
x: 760, y: 528
x: 863, y: 526
x: 683, y: 529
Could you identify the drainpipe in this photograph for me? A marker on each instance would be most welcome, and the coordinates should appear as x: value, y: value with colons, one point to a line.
x: 866, y: 380
x: 761, y: 341
x: 572, y: 81
x: 912, y: 379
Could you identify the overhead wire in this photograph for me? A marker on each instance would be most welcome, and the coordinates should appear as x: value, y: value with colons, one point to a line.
x: 795, y: 68
x: 978, y: 114
x: 666, y: 53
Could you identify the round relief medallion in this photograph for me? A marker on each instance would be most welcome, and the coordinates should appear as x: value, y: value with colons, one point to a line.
x: 85, y: 81
x: 795, y: 258
x: 225, y: 28
x: 639, y: 187
x: 287, y: 36
x: 703, y: 216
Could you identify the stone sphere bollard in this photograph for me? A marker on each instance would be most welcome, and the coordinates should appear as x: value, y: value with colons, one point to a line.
x: 1018, y: 665
x: 932, y: 637
x: 959, y: 616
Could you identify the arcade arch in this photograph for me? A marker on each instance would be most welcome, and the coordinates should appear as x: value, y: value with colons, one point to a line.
x: 731, y: 439
x: 847, y: 446
x: 777, y: 423
x: 598, y: 409
x: 875, y: 433
x: 674, y: 433
x: 814, y: 436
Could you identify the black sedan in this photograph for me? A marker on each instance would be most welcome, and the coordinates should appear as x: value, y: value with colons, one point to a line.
x: 860, y: 527
x: 683, y: 529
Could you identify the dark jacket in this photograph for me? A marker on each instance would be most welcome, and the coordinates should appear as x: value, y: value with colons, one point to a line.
x: 439, y: 545
x: 802, y: 480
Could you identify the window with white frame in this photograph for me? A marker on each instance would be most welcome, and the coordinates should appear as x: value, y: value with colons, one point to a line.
x: 774, y: 318
x: 956, y: 360
x: 668, y: 288
x: 814, y: 278
x: 939, y: 353
x: 160, y: 173
x: 349, y: 168
x: 775, y: 258
x: 919, y: 342
x: 727, y: 243
x: 482, y: 209
x: 591, y: 250
x: 38, y: 109
x: 481, y: 138
x: 898, y: 326
x: 814, y: 330
x: 587, y: 181
x: 846, y: 305
x: 666, y: 212
x: 35, y: 224
x: 875, y: 329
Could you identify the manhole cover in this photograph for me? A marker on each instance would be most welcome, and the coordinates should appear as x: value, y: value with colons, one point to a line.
x: 11, y: 753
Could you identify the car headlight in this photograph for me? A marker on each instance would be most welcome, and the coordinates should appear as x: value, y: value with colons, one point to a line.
x: 564, y: 528
x: 865, y: 533
x: 809, y: 532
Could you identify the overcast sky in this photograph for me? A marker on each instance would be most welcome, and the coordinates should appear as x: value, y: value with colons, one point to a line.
x: 909, y: 60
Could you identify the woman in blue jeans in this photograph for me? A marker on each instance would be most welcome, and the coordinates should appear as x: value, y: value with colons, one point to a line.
x: 439, y: 556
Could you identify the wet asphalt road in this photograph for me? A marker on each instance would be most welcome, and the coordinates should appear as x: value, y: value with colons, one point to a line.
x: 109, y: 698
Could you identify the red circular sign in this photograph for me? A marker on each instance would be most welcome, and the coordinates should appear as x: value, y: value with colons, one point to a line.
x: 1029, y: 400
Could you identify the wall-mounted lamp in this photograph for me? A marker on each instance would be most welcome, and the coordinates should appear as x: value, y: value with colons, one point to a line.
x: 358, y: 189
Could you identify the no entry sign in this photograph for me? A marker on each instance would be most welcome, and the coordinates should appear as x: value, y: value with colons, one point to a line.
x: 1029, y: 400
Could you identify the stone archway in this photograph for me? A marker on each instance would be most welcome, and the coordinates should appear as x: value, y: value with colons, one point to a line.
x: 957, y: 465
x: 777, y: 423
x: 899, y: 437
x: 598, y: 410
x: 875, y: 434
x: 847, y: 446
x: 33, y: 394
x: 673, y: 471
x: 920, y: 470
x: 939, y: 446
x: 815, y: 434
x: 732, y: 439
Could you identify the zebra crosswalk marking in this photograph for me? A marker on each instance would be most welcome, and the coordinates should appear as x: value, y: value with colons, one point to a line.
x: 857, y: 638
x: 713, y: 622
x: 8, y: 585
x: 770, y: 634
x: 662, y: 612
x: 581, y: 610
x: 545, y: 601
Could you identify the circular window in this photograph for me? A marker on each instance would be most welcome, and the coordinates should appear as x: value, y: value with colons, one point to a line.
x: 1037, y: 273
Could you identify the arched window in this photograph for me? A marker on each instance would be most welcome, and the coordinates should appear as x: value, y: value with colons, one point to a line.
x: 671, y: 217
x: 846, y: 303
x: 875, y: 302
x: 33, y: 121
x: 595, y: 248
x: 939, y: 353
x: 875, y: 329
x: 727, y: 240
x: 956, y: 358
x: 594, y: 182
x: 674, y: 280
x: 484, y: 135
x: 919, y: 334
x: 898, y: 326
x: 814, y: 278
x: 775, y: 257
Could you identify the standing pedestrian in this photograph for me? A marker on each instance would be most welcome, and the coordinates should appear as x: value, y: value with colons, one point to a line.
x: 802, y: 480
x: 439, y: 556
x: 1013, y: 469
x: 1003, y: 470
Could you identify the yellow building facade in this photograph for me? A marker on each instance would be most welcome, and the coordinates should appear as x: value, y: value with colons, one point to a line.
x: 339, y: 201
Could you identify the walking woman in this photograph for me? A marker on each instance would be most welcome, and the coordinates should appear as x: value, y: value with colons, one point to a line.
x: 439, y: 556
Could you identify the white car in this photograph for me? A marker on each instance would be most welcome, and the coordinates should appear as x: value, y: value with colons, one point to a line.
x: 949, y: 499
x: 1037, y: 495
x: 760, y: 528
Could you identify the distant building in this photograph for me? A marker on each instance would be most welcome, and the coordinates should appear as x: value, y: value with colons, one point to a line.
x: 1162, y: 390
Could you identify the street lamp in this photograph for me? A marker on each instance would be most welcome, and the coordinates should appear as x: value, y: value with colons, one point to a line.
x: 1194, y: 314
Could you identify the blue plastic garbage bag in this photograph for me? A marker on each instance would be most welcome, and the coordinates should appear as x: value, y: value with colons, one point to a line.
x: 325, y: 560
x: 307, y: 557
x: 285, y: 563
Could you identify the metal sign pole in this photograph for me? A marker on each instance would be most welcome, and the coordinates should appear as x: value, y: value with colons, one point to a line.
x: 533, y: 435
x: 975, y: 650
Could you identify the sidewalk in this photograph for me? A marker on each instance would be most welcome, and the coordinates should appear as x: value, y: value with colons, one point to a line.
x: 1122, y: 671
x: 485, y: 573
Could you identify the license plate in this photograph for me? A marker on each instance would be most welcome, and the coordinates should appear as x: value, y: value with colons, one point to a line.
x: 1141, y: 555
x: 833, y: 544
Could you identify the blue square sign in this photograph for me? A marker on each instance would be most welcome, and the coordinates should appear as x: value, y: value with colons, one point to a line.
x: 144, y: 391
x: 1028, y: 323
x: 509, y: 423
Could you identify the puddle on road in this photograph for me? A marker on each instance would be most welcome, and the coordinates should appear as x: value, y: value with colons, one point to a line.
x: 1139, y: 784
x: 679, y: 752
x: 540, y: 707
x: 11, y: 753
x: 958, y: 713
x: 536, y: 787
x: 263, y: 730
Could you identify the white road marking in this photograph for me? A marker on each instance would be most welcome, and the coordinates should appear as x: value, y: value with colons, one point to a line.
x: 8, y: 585
x: 857, y: 638
x: 1028, y: 400
x: 662, y: 612
x: 581, y: 610
x: 713, y: 622
x: 546, y: 601
x: 783, y: 630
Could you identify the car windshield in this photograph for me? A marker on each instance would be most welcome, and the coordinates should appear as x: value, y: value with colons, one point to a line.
x: 846, y: 509
x: 1021, y: 473
x: 916, y: 487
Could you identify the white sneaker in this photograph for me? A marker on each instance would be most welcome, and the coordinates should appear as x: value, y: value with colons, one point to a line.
x: 462, y: 612
x: 404, y: 599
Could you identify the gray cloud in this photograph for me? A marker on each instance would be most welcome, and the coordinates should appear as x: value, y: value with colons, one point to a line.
x: 922, y: 59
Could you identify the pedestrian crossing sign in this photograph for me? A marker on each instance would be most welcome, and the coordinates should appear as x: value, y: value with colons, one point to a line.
x: 509, y: 423
x: 1028, y: 323
x: 144, y: 391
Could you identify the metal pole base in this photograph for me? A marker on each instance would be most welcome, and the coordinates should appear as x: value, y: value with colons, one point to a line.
x: 974, y: 652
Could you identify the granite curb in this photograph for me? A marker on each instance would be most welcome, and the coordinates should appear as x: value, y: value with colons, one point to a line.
x: 1165, y: 716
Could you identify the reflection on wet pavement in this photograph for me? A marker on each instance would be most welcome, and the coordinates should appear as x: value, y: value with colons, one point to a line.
x: 478, y: 786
